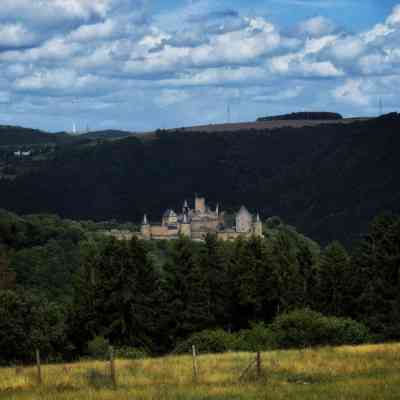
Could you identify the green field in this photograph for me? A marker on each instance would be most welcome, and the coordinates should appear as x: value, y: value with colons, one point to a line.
x: 363, y: 372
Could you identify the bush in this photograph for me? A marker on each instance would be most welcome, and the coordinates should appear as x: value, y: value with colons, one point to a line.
x: 208, y: 341
x: 130, y: 353
x: 99, y: 348
x: 304, y: 328
x: 258, y: 338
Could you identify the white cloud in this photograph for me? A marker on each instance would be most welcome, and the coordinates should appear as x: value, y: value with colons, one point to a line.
x: 113, y: 49
x: 93, y: 32
x: 347, y: 48
x: 394, y: 18
x: 168, y: 97
x: 317, y: 26
x: 15, y: 36
x: 281, y: 95
x: 61, y: 82
x: 54, y: 10
x: 351, y: 92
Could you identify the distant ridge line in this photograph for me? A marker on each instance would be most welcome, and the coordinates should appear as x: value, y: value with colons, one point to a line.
x: 270, y: 124
x: 304, y: 115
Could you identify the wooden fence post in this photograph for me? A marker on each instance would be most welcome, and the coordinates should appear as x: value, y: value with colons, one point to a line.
x: 112, y: 368
x: 39, y: 370
x: 195, y: 372
x: 258, y: 364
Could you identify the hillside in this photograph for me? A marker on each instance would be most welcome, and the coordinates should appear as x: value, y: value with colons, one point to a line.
x: 363, y: 372
x: 106, y: 134
x: 327, y: 180
x: 302, y: 116
x: 18, y: 136
x: 269, y: 123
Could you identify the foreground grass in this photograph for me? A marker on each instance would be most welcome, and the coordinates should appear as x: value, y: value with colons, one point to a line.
x: 363, y: 372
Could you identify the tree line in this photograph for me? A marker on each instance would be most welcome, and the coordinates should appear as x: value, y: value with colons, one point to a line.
x: 62, y: 284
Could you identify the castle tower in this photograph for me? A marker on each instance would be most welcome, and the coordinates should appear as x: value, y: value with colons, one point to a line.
x: 145, y: 228
x: 257, y: 227
x: 200, y: 205
x: 243, y: 221
x: 185, y: 208
x: 185, y: 228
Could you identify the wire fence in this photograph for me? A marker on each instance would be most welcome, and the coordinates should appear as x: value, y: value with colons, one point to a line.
x: 108, y: 372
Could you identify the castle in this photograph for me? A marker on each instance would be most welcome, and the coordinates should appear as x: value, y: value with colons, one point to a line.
x: 196, y: 223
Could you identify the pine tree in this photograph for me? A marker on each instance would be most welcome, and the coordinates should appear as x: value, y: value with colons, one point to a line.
x: 376, y: 281
x: 186, y: 309
x: 286, y: 277
x: 247, y: 266
x: 333, y: 290
x: 125, y: 289
x: 214, y: 263
x: 7, y: 277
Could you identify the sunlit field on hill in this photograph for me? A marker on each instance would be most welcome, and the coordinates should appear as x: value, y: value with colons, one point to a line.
x: 363, y: 372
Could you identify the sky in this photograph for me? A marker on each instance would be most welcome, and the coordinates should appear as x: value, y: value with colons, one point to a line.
x: 141, y: 65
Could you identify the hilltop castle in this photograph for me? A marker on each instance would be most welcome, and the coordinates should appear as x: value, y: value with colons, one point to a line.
x: 197, y: 222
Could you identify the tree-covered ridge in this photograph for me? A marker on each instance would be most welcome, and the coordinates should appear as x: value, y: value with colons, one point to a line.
x: 312, y: 115
x: 328, y: 181
x: 18, y: 136
x: 62, y: 284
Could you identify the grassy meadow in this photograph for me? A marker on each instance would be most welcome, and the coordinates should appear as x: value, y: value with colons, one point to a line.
x: 359, y: 372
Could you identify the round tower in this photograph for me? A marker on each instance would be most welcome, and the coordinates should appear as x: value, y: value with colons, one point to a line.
x: 257, y: 226
x: 186, y: 228
x: 145, y: 228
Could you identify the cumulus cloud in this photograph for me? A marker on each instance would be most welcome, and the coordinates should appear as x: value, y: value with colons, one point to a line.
x: 317, y: 26
x: 52, y: 11
x: 352, y: 92
x: 114, y: 52
x: 13, y: 36
x: 394, y: 18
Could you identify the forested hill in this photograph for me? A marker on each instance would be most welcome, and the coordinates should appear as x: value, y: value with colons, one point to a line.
x: 328, y: 180
x: 18, y: 136
x: 318, y: 116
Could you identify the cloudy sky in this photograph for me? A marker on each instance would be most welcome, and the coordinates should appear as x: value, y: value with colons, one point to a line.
x: 147, y: 64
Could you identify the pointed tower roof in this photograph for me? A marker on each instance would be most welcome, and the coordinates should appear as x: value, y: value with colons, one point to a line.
x: 145, y: 221
x: 243, y: 210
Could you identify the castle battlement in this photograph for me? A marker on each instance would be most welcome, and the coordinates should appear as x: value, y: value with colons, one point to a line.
x: 197, y: 222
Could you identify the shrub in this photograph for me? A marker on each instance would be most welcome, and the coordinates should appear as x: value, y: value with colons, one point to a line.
x: 303, y: 328
x: 348, y: 331
x: 208, y: 341
x: 258, y: 338
x: 99, y: 348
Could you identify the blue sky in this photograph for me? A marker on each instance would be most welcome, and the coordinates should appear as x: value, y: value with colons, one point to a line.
x: 147, y: 64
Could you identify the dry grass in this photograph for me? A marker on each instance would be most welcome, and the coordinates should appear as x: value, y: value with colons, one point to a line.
x: 364, y: 372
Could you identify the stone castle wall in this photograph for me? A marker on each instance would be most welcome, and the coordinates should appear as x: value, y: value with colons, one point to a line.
x: 196, y: 223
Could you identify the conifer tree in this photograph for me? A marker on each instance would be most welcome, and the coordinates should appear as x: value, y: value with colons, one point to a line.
x: 214, y: 263
x: 376, y: 266
x: 7, y: 277
x: 125, y: 289
x: 334, y: 274
x: 187, y: 301
x: 286, y: 277
x: 247, y: 264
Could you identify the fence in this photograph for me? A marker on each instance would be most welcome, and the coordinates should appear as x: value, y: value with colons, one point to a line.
x: 255, y: 366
